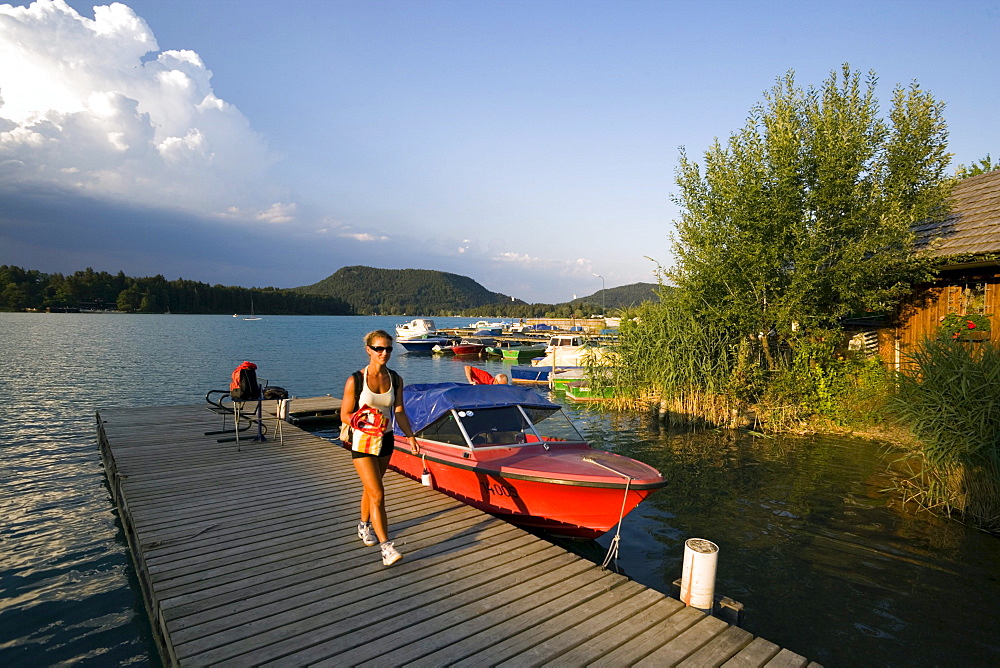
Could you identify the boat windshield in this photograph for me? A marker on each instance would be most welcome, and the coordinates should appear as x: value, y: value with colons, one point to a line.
x: 504, y: 425
x: 445, y: 430
x: 552, y: 424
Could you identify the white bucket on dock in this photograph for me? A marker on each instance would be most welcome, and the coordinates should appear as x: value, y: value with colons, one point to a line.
x: 283, y: 408
x: 698, y: 577
x: 426, y: 479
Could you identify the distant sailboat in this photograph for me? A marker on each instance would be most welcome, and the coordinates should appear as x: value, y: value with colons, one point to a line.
x: 251, y: 316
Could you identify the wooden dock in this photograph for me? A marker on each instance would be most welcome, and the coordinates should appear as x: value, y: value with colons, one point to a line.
x: 302, y: 410
x: 251, y: 557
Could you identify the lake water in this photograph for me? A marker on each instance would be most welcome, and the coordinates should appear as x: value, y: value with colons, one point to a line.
x: 825, y: 561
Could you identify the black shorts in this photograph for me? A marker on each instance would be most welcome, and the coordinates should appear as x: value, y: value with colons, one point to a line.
x: 386, y: 450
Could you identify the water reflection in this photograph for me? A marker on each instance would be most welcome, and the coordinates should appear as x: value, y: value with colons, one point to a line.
x: 825, y: 561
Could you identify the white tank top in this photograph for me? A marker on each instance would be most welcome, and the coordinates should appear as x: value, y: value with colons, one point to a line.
x: 383, y: 402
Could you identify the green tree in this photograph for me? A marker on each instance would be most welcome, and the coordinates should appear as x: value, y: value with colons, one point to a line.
x: 15, y: 297
x: 977, y: 168
x: 128, y: 299
x: 805, y: 215
x: 802, y: 218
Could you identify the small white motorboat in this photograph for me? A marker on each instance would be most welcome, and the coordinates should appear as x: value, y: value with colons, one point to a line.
x: 418, y: 328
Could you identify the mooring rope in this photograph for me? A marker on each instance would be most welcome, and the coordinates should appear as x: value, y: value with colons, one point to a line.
x: 613, y: 548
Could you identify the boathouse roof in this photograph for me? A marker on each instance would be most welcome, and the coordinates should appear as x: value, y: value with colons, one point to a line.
x: 972, y: 227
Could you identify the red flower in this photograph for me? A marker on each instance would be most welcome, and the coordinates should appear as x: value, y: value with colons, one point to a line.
x: 970, y: 324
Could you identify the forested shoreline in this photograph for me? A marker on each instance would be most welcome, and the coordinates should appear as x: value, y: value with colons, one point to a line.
x: 428, y: 293
x: 89, y: 290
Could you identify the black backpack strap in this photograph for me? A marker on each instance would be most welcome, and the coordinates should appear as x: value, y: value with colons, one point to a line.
x: 396, y: 382
x: 358, y: 379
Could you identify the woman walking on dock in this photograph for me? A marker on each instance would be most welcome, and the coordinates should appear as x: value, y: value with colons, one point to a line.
x: 374, y: 396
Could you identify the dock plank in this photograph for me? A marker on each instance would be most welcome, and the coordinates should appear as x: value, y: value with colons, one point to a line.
x: 342, y: 567
x: 582, y: 629
x: 685, y: 644
x: 755, y: 654
x: 618, y: 635
x: 299, y: 586
x: 248, y: 554
x: 518, y: 626
x: 367, y: 637
x: 787, y: 659
x: 654, y: 637
x: 461, y: 624
x: 518, y: 645
x: 719, y: 649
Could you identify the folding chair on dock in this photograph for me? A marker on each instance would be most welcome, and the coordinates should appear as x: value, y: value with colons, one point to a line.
x: 245, y: 389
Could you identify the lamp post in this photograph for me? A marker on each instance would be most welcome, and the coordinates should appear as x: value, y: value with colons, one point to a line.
x: 604, y: 309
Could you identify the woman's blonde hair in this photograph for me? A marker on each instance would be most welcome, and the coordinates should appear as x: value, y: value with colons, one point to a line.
x: 377, y: 334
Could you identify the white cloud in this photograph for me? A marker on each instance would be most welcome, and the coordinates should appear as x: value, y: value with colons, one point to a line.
x: 332, y: 226
x: 569, y: 272
x: 278, y: 213
x: 577, y: 267
x: 519, y: 258
x: 83, y: 106
x: 364, y: 236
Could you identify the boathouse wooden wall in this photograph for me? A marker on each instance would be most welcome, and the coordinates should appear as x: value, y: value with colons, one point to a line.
x: 968, y: 240
x: 921, y: 314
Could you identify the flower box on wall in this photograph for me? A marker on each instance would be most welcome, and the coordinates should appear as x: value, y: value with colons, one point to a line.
x: 965, y: 327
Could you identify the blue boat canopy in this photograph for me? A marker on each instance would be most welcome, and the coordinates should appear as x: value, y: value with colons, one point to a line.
x: 427, y: 402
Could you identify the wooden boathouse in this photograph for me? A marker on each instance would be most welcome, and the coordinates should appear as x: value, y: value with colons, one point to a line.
x: 248, y: 555
x: 967, y: 242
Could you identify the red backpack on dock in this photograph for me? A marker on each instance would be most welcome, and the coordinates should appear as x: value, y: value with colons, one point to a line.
x: 244, y: 386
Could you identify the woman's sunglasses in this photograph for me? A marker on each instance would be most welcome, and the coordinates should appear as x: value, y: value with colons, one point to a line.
x: 381, y: 349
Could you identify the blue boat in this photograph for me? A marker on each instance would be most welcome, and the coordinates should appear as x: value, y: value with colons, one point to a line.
x: 526, y: 373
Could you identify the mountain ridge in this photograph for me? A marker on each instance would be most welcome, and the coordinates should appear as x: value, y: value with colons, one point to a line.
x: 371, y: 290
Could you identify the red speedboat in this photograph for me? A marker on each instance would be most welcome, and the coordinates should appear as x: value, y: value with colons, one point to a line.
x: 470, y: 347
x: 508, y: 451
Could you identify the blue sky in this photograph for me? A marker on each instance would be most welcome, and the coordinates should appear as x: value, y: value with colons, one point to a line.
x: 528, y: 145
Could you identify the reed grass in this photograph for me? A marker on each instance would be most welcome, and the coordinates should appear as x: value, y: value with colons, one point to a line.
x: 950, y: 399
x: 697, y: 373
x: 682, y: 366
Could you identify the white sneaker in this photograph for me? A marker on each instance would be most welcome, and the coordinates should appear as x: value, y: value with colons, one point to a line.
x: 366, y: 534
x: 389, y: 554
